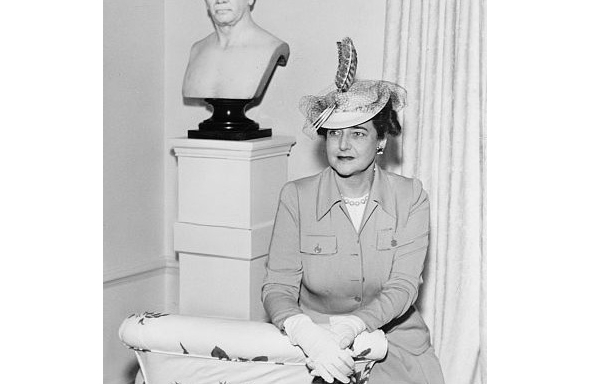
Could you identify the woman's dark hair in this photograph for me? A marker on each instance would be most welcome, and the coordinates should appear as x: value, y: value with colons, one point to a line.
x: 385, y: 122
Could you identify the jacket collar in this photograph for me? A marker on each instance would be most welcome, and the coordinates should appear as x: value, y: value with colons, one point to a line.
x: 328, y: 194
x: 382, y: 192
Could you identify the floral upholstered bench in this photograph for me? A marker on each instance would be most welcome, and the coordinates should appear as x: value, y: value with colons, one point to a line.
x: 177, y: 349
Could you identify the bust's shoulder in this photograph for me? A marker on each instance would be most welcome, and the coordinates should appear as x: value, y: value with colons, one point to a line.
x: 266, y: 40
x: 203, y: 43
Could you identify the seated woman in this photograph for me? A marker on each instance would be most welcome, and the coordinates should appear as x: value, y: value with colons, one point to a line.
x: 349, y: 244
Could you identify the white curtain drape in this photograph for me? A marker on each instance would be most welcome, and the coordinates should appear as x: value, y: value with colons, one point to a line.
x: 436, y: 50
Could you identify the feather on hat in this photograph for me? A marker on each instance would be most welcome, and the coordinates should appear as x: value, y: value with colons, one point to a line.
x: 350, y: 102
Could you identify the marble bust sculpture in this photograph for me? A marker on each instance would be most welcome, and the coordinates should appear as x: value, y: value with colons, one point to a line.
x: 237, y: 59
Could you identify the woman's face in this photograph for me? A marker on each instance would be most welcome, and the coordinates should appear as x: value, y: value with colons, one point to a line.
x: 351, y: 151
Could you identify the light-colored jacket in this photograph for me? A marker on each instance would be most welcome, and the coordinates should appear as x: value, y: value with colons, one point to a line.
x: 320, y: 265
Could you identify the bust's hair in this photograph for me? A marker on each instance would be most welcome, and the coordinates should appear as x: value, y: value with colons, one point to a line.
x: 385, y: 122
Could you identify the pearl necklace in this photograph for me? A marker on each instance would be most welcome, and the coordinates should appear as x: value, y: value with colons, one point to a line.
x: 356, y: 201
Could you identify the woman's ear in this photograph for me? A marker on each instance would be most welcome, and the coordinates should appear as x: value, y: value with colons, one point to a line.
x: 381, y: 146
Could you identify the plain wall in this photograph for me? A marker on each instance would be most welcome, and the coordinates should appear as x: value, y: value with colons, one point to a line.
x: 136, y: 272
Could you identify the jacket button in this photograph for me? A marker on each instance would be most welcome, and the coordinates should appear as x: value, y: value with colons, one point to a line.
x: 317, y: 248
x: 393, y: 243
x: 357, y: 299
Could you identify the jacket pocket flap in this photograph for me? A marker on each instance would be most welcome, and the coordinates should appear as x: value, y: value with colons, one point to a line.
x: 318, y: 245
x: 385, y: 239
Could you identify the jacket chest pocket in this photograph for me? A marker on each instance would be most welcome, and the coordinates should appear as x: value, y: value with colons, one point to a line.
x: 318, y: 244
x: 386, y: 239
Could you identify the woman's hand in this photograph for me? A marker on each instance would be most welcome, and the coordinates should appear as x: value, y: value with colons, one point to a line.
x: 328, y: 360
x: 346, y: 329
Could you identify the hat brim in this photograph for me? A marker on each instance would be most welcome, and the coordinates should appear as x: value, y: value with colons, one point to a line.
x: 341, y: 120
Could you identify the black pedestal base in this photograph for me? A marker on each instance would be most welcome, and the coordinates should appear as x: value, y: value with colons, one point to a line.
x: 229, y: 135
x: 229, y: 122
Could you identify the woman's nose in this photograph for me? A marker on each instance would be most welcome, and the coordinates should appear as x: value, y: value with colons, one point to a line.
x: 344, y: 142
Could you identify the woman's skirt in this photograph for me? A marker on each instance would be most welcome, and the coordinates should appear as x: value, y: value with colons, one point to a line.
x: 402, y: 367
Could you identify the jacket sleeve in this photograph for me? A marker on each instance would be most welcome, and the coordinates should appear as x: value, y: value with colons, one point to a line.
x: 280, y: 288
x: 401, y: 289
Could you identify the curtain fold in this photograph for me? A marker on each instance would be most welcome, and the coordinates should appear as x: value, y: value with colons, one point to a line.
x: 436, y: 50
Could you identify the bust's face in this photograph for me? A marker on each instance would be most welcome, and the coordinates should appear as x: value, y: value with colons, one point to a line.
x: 228, y: 12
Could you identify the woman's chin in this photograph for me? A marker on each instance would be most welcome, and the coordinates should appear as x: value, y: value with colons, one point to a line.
x: 348, y: 170
x: 343, y: 175
x: 344, y: 171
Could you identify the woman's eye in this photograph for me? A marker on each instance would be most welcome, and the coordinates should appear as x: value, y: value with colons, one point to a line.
x: 333, y: 133
x: 359, y: 134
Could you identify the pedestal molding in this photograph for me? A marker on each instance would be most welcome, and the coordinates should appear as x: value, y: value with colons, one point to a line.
x: 223, y: 257
x: 239, y: 150
x: 229, y: 155
x: 246, y: 244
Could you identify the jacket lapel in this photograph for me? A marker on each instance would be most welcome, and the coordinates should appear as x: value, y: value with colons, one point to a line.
x: 382, y: 194
x: 328, y: 193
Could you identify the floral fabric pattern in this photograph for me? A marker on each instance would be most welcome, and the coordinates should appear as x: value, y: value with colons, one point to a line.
x: 176, y: 349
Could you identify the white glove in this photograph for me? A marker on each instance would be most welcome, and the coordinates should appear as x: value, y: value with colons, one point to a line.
x: 328, y: 360
x: 346, y: 328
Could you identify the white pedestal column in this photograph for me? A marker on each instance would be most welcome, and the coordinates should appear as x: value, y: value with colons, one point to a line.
x: 227, y: 199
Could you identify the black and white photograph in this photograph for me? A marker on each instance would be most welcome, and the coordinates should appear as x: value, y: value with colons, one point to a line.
x: 294, y: 192
x: 280, y: 191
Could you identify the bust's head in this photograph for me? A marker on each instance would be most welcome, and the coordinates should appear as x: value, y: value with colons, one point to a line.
x: 228, y: 12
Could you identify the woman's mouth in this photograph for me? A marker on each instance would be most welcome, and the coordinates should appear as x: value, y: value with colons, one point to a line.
x: 345, y: 158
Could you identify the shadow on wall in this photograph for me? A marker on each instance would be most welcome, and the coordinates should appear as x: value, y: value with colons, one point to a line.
x: 391, y: 158
x: 131, y: 372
